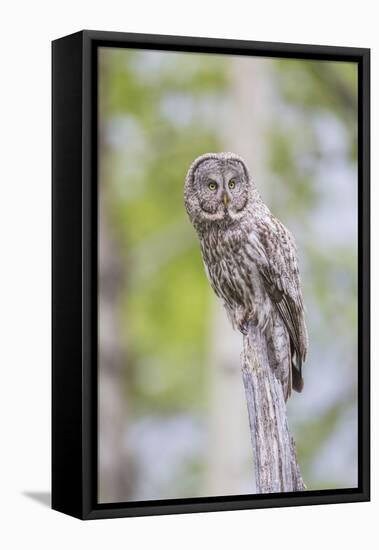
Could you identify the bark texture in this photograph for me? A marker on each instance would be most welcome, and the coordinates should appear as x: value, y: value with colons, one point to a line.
x: 276, y: 466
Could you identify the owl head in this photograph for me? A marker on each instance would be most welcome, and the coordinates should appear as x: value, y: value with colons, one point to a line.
x: 217, y: 188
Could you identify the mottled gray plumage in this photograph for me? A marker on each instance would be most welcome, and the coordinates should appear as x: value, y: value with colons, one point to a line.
x: 250, y: 259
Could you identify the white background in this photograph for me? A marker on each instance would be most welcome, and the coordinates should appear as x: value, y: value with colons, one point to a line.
x: 27, y: 29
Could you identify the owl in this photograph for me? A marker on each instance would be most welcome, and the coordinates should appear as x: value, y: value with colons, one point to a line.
x: 250, y: 259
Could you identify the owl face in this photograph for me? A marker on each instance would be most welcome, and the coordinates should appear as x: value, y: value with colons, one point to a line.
x: 222, y: 188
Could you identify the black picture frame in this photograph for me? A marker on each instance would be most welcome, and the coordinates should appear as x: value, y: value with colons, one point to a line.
x: 74, y: 273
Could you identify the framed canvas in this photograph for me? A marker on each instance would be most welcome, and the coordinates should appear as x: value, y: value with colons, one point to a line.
x: 245, y: 384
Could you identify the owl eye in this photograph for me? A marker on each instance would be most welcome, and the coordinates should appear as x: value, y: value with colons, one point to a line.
x: 232, y: 184
x: 212, y: 185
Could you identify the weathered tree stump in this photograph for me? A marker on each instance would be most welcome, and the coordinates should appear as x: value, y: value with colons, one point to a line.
x: 275, y: 461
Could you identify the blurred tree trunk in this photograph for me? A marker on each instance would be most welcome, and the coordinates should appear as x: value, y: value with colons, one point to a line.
x: 229, y: 468
x: 113, y: 467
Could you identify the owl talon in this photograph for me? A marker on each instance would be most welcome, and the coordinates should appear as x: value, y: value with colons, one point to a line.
x: 240, y: 320
x: 244, y: 327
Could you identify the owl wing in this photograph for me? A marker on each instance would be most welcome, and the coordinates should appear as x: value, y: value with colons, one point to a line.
x: 276, y: 258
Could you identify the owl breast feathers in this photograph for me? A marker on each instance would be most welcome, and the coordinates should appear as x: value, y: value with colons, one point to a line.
x: 250, y: 259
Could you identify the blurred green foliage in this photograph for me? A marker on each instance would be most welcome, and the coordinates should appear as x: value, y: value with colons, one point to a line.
x: 165, y: 300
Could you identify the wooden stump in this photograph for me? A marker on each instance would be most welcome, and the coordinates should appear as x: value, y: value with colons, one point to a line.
x: 275, y: 461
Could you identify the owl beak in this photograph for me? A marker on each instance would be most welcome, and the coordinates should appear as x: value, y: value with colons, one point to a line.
x: 225, y: 199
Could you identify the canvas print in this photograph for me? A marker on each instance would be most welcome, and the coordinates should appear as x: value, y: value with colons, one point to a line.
x: 227, y: 275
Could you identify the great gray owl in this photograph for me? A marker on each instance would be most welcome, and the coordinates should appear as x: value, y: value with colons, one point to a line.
x: 250, y: 259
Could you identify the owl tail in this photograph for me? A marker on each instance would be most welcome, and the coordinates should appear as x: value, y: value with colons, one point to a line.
x: 296, y: 370
x: 297, y: 379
